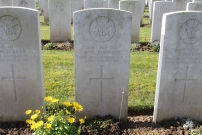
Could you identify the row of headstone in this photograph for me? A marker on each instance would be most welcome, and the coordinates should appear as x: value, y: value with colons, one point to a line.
x: 19, y: 3
x: 161, y: 7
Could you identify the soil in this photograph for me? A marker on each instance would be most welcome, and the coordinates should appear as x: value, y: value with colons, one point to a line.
x: 139, y: 123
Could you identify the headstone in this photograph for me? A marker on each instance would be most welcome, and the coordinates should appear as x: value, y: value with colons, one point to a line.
x: 113, y: 4
x: 178, y: 90
x: 75, y: 6
x: 25, y: 3
x: 160, y: 7
x: 21, y: 85
x: 181, y: 4
x: 5, y: 2
x: 135, y: 8
x: 46, y: 10
x: 60, y: 20
x: 194, y: 6
x: 95, y: 4
x: 102, y: 61
x: 150, y: 5
x: 142, y: 7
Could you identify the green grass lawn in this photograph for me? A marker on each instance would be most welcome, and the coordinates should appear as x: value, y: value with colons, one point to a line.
x: 59, y: 77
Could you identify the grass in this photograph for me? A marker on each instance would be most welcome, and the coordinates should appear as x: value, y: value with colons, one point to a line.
x: 59, y: 77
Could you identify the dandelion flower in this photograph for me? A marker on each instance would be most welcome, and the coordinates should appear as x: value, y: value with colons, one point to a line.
x: 34, y: 116
x: 78, y: 107
x: 68, y: 112
x: 29, y: 121
x: 39, y: 123
x: 54, y: 100
x: 48, y: 98
x: 82, y: 121
x: 67, y: 104
x: 38, y: 111
x: 50, y: 118
x: 33, y: 127
x: 28, y: 112
x: 48, y: 126
x: 71, y: 120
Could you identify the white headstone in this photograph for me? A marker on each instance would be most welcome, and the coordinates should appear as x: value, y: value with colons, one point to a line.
x: 142, y: 7
x: 5, y: 2
x: 194, y: 6
x: 60, y: 20
x: 21, y: 85
x: 135, y: 8
x: 25, y: 3
x: 160, y: 7
x: 181, y: 4
x: 75, y: 6
x: 102, y: 61
x: 95, y: 4
x: 46, y: 10
x: 150, y: 5
x: 113, y: 4
x: 178, y: 90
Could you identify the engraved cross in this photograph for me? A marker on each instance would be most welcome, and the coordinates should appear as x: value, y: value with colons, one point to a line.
x: 60, y: 25
x: 13, y: 78
x: 185, y: 82
x: 101, y: 79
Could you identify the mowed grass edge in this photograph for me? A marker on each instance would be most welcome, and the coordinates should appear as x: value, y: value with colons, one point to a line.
x: 59, y: 77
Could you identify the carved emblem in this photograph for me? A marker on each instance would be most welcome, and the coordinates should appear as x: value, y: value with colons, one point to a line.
x: 95, y: 5
x: 10, y: 28
x: 59, y: 7
x: 23, y: 4
x: 130, y: 7
x: 102, y: 29
x: 198, y: 8
x: 191, y: 31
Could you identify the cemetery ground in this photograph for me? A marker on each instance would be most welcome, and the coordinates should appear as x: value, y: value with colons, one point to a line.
x: 58, y: 70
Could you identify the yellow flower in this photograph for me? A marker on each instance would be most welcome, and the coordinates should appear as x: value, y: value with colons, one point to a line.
x: 39, y: 123
x: 28, y: 112
x: 38, y: 111
x: 30, y: 122
x: 54, y: 100
x: 68, y: 112
x: 48, y: 126
x: 71, y: 120
x: 78, y: 107
x: 48, y: 98
x: 82, y: 121
x: 67, y: 104
x: 33, y: 127
x: 34, y: 116
x: 50, y: 118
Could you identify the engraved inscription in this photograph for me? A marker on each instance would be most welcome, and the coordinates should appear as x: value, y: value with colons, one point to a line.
x: 13, y: 78
x: 185, y: 82
x: 10, y: 28
x: 101, y: 79
x: 23, y: 3
x: 130, y: 7
x: 102, y: 29
x: 198, y: 8
x: 60, y: 28
x: 191, y: 31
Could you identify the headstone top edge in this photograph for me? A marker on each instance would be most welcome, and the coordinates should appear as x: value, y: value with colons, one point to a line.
x: 106, y: 9
x: 181, y: 12
x: 14, y: 7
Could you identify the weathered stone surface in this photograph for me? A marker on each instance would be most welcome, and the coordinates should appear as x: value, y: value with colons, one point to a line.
x: 181, y: 4
x: 102, y: 61
x: 46, y: 10
x: 160, y: 7
x: 25, y: 3
x: 95, y: 4
x: 21, y: 85
x: 135, y: 8
x: 5, y: 2
x: 178, y: 89
x: 113, y: 4
x: 75, y: 6
x: 60, y: 20
x: 194, y: 6
x: 150, y: 5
